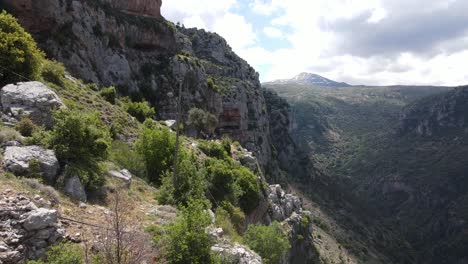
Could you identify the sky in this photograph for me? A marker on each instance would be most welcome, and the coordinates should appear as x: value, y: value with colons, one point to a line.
x: 371, y: 42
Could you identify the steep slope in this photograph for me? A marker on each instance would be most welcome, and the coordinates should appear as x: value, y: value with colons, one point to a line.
x: 133, y: 48
x: 400, y: 149
x: 306, y: 78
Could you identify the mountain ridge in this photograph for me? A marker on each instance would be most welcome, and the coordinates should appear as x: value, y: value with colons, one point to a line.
x: 310, y: 79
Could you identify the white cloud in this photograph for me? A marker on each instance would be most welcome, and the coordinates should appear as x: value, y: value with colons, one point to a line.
x: 313, y: 42
x: 273, y: 32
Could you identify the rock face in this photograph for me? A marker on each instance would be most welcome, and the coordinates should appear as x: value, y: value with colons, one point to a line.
x: 437, y: 115
x: 18, y: 160
x: 32, y: 99
x: 25, y: 231
x: 150, y: 8
x: 237, y: 254
x: 287, y: 209
x: 75, y: 189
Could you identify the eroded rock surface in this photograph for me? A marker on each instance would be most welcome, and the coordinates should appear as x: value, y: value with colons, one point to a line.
x: 19, y: 160
x: 25, y: 230
x: 32, y: 99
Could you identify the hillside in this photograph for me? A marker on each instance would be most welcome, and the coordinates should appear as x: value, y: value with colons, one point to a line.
x: 398, y: 151
x: 86, y: 165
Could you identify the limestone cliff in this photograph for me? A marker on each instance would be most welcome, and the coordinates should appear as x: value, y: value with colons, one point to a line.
x: 127, y: 44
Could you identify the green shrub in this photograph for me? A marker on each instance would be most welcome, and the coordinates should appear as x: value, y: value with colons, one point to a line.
x: 156, y: 147
x: 26, y: 127
x: 127, y: 157
x: 39, y: 137
x: 236, y: 215
x: 19, y: 53
x: 202, y: 121
x: 190, y: 184
x: 227, y: 142
x: 223, y: 220
x: 109, y: 94
x: 213, y: 149
x: 187, y: 241
x: 53, y: 71
x: 247, y: 182
x: 81, y: 140
x: 140, y: 110
x: 269, y: 242
x: 222, y: 181
x: 63, y: 253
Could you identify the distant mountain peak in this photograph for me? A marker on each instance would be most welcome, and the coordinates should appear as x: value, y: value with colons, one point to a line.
x: 310, y: 79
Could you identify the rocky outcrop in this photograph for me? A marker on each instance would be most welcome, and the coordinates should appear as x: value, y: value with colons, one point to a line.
x: 150, y: 8
x: 25, y: 230
x: 75, y: 189
x: 123, y: 175
x: 237, y: 253
x: 32, y: 99
x: 287, y: 209
x: 437, y: 115
x: 282, y: 204
x: 19, y: 160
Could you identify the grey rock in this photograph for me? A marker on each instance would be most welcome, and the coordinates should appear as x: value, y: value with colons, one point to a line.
x: 282, y: 204
x: 39, y: 219
x: 16, y: 160
x: 33, y: 99
x: 170, y: 123
x: 237, y: 253
x: 123, y: 175
x: 75, y: 189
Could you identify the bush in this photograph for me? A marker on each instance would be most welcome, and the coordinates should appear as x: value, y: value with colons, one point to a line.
x: 63, y: 253
x: 236, y: 215
x: 39, y: 137
x: 247, y: 182
x: 223, y: 220
x: 269, y: 242
x: 19, y: 53
x: 202, y: 121
x: 9, y: 134
x: 156, y: 148
x: 81, y: 140
x: 109, y: 94
x: 26, y: 127
x: 140, y: 110
x: 222, y: 181
x: 190, y: 184
x: 53, y: 71
x: 187, y: 240
x: 127, y: 157
x: 213, y: 149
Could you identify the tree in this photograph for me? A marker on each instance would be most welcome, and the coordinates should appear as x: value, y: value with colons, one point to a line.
x: 202, y: 121
x: 19, y: 54
x: 81, y: 140
x: 140, y: 110
x: 187, y: 241
x: 156, y: 147
x: 269, y: 242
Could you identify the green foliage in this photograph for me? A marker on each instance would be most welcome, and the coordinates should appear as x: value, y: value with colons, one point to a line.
x: 140, y: 110
x: 213, y: 149
x: 187, y: 240
x: 127, y: 157
x: 26, y: 127
x: 227, y: 142
x: 247, y: 182
x: 222, y: 181
x: 109, y: 94
x: 269, y: 242
x: 156, y: 147
x: 223, y: 220
x: 19, y: 53
x: 39, y: 137
x: 53, y: 71
x: 202, y: 121
x: 63, y: 253
x: 235, y: 214
x: 190, y: 184
x: 82, y: 141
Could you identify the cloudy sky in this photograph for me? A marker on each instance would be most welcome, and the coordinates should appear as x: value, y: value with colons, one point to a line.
x: 378, y: 42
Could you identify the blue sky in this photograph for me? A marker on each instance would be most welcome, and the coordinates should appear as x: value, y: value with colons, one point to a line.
x: 379, y: 42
